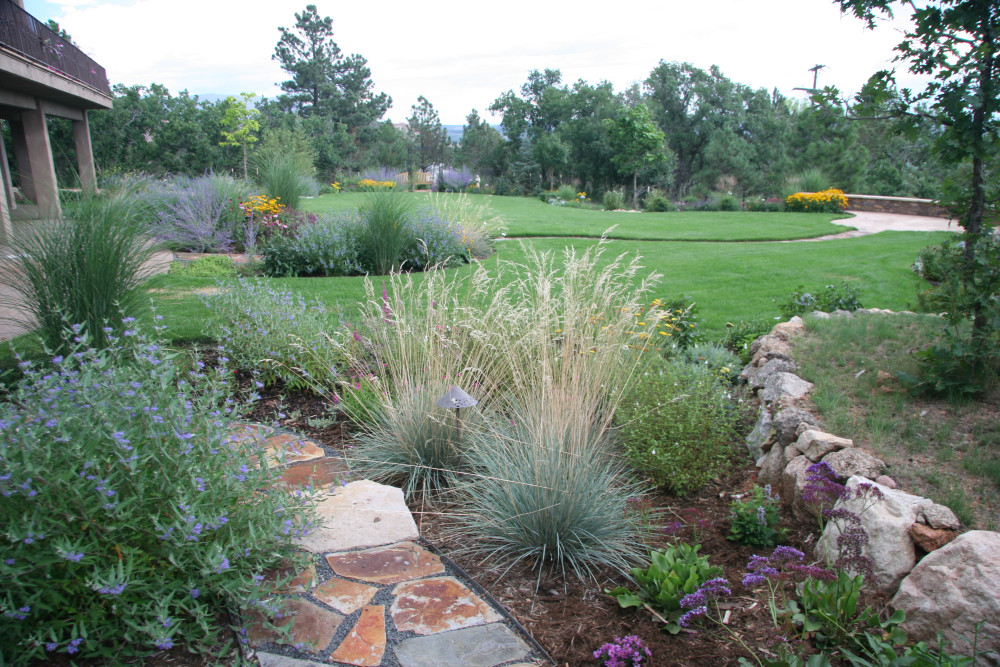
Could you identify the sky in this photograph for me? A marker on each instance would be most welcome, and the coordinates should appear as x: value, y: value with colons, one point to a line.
x: 463, y: 55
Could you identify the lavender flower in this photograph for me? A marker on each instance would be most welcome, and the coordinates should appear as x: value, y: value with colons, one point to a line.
x: 626, y: 651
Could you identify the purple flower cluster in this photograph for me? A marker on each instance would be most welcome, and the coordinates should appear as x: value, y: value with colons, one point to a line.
x: 784, y: 563
x: 697, y: 603
x: 626, y: 651
x: 823, y: 489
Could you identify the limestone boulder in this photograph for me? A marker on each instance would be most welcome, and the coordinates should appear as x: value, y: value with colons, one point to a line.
x: 940, y: 517
x: 793, y: 482
x: 786, y: 423
x: 760, y: 435
x: 887, y: 523
x: 851, y: 461
x: 953, y: 589
x: 756, y: 380
x: 793, y: 327
x: 772, y: 466
x: 817, y: 444
x: 770, y: 347
x: 785, y: 385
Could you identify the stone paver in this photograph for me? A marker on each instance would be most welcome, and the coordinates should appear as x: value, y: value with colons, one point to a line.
x: 313, y: 629
x: 481, y: 646
x: 361, y: 514
x: 300, y: 583
x: 345, y: 596
x: 386, y: 565
x: 365, y: 645
x: 318, y: 473
x: 366, y: 537
x: 438, y: 604
x: 287, y: 448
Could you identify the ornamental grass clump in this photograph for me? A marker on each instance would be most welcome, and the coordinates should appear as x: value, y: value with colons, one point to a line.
x: 383, y: 235
x: 421, y: 338
x: 87, y: 268
x: 547, y: 486
x: 274, y: 334
x: 476, y: 223
x: 133, y: 520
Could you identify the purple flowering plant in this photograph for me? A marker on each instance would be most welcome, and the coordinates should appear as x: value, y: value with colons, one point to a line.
x: 121, y: 507
x: 777, y: 573
x: 628, y: 651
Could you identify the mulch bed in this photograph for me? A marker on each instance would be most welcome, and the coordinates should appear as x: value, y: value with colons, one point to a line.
x: 571, y: 620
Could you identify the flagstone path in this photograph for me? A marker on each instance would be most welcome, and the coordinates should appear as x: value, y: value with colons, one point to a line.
x: 374, y: 594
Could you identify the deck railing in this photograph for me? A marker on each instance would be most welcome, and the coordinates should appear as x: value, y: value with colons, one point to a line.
x: 23, y: 33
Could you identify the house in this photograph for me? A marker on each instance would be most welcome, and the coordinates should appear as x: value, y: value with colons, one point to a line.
x: 42, y: 75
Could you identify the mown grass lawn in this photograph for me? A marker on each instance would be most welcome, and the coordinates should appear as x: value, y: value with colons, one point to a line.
x: 730, y: 280
x: 528, y: 216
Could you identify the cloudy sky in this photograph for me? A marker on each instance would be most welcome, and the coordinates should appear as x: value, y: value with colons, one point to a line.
x: 463, y: 55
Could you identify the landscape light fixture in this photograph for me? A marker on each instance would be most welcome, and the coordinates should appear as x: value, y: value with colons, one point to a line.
x: 456, y: 399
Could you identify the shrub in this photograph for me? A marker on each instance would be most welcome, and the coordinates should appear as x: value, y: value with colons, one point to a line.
x: 762, y: 205
x: 477, y: 223
x: 659, y: 204
x: 613, y: 200
x: 384, y: 175
x: 719, y: 361
x: 727, y: 202
x: 677, y: 425
x: 131, y: 521
x: 457, y: 180
x: 673, y: 573
x: 739, y: 336
x: 214, y: 266
x: 87, y: 268
x: 829, y: 299
x: 275, y: 334
x: 198, y: 214
x: 825, y: 201
x: 754, y: 519
x: 676, y: 326
x: 322, y: 248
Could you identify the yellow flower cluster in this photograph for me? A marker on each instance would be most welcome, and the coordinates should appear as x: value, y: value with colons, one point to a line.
x: 830, y: 200
x: 262, y: 205
x: 336, y: 186
x: 372, y: 184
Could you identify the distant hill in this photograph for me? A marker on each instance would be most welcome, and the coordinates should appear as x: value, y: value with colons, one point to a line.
x: 454, y: 132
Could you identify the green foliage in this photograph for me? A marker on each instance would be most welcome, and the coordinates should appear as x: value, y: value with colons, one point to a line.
x: 613, y: 200
x: 550, y: 496
x: 283, y: 176
x: 324, y: 82
x: 86, y: 269
x: 673, y: 573
x: 241, y: 125
x: 829, y: 299
x: 829, y: 609
x: 275, y: 335
x: 677, y: 425
x: 754, y: 519
x: 430, y: 139
x: 323, y: 248
x: 383, y: 236
x: 681, y: 323
x: 214, y: 266
x: 658, y: 203
x: 131, y: 521
x: 966, y: 360
x: 719, y: 361
x: 739, y: 336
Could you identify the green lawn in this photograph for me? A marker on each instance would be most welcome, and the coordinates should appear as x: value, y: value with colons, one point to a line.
x: 527, y: 216
x: 731, y: 281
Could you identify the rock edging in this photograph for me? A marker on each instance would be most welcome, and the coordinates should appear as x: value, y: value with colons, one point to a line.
x: 949, y: 590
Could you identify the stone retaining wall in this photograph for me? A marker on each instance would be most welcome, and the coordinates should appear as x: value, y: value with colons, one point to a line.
x: 900, y: 205
x: 943, y: 580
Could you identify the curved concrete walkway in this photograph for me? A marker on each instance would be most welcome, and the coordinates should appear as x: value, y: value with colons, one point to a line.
x: 866, y: 223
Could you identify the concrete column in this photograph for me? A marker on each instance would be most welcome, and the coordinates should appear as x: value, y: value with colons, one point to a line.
x: 42, y: 168
x: 23, y: 163
x: 6, y: 228
x: 84, y: 153
x: 8, y: 184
